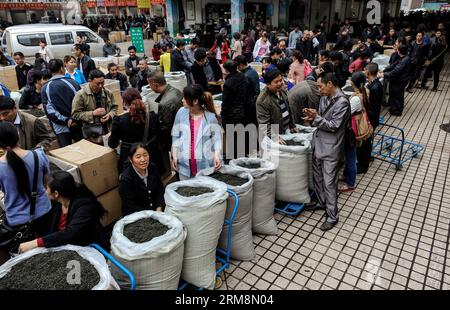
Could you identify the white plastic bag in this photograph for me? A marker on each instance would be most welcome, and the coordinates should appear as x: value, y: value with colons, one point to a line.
x: 156, y: 264
x: 90, y: 254
x: 264, y: 187
x: 203, y: 217
x: 241, y: 246
x: 292, y: 168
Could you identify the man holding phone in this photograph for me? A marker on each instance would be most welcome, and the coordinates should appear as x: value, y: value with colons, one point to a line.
x: 328, y: 145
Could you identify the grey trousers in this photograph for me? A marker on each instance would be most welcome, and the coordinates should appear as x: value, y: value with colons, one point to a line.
x: 325, y: 174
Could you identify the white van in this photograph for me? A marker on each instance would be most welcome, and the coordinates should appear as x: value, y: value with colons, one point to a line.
x: 60, y: 39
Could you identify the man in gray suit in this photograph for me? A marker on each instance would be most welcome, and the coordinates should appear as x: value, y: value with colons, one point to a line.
x: 328, y: 145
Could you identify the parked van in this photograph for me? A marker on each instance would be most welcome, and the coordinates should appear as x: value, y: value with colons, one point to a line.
x: 60, y: 39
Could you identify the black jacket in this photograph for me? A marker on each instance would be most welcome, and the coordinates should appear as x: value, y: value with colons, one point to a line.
x: 398, y: 71
x: 141, y: 79
x: 375, y: 100
x: 234, y: 99
x: 83, y: 225
x: 21, y: 74
x: 418, y: 52
x: 136, y: 196
x: 307, y: 49
x: 199, y: 76
x: 121, y: 78
x: 86, y: 65
x: 30, y: 98
x: 177, y: 62
x: 125, y: 131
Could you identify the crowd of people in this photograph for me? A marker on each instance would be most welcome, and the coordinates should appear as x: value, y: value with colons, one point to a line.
x: 300, y: 83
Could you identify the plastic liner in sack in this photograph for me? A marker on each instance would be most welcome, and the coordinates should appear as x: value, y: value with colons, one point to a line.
x: 156, y: 264
x: 176, y: 79
x: 203, y: 218
x: 93, y: 256
x: 292, y: 168
x: 241, y: 246
x: 264, y: 185
x: 308, y: 134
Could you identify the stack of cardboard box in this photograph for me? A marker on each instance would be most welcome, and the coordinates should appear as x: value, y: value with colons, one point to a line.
x: 114, y: 87
x: 97, y: 166
x: 8, y: 77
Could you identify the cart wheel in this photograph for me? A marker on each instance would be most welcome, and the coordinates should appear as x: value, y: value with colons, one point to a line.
x: 219, y: 283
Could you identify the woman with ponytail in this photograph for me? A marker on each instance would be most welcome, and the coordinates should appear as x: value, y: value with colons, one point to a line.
x: 76, y: 220
x: 17, y: 170
x: 196, y: 134
x: 129, y: 128
x: 358, y: 102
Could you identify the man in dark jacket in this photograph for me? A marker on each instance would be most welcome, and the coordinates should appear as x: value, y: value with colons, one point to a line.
x: 398, y: 76
x: 253, y: 89
x: 305, y: 46
x: 22, y: 69
x: 142, y: 75
x: 197, y: 70
x: 57, y: 96
x: 234, y: 101
x: 178, y: 63
x: 419, y: 51
x: 114, y: 74
x: 336, y: 58
x: 131, y: 65
x: 110, y: 49
x: 84, y: 63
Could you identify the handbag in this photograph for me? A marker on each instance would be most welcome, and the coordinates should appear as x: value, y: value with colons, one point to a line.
x: 12, y: 236
x: 361, y: 127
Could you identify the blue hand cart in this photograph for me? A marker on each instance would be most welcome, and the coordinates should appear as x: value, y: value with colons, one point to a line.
x: 391, y: 146
x: 291, y: 208
x: 118, y: 265
x: 222, y: 255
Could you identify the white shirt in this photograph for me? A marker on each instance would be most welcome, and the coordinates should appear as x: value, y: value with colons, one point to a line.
x: 355, y: 104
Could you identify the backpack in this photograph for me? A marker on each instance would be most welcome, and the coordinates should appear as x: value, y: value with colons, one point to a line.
x: 307, y: 68
x: 361, y: 126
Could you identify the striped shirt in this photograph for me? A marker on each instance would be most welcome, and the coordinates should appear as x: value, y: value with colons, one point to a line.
x: 284, y: 113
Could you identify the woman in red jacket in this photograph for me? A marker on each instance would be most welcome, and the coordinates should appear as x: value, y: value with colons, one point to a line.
x: 220, y: 49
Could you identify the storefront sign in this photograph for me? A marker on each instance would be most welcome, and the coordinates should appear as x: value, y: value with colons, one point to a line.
x: 137, y: 39
x: 91, y: 4
x: 110, y: 3
x: 36, y: 6
x: 131, y: 3
x: 158, y: 2
x: 121, y: 2
x: 143, y: 4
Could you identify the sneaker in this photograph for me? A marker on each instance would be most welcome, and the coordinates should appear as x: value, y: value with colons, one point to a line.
x: 327, y: 226
x: 445, y: 127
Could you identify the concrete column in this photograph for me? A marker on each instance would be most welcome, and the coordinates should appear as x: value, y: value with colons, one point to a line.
x: 172, y: 16
x: 237, y: 15
x: 283, y: 19
x: 63, y: 17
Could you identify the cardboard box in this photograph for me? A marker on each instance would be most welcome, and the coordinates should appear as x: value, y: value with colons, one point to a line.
x: 120, y: 60
x: 114, y: 87
x: 54, y: 145
x: 103, y: 61
x: 97, y: 164
x: 112, y: 202
x: 8, y: 77
x: 65, y: 166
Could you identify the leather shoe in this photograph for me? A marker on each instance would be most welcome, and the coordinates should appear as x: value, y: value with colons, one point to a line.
x: 327, y: 226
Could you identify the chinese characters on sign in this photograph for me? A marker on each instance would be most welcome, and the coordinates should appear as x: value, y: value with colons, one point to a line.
x: 137, y: 39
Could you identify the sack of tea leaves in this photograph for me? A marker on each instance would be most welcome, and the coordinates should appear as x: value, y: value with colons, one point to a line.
x: 241, y: 183
x: 200, y: 204
x: 151, y: 245
x: 291, y: 161
x: 264, y: 186
x: 307, y: 133
x: 67, y: 267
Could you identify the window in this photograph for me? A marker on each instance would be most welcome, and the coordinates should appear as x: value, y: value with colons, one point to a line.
x: 87, y: 37
x: 31, y: 39
x: 60, y: 38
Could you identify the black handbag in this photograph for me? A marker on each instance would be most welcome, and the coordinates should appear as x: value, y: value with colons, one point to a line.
x: 93, y: 132
x: 12, y: 236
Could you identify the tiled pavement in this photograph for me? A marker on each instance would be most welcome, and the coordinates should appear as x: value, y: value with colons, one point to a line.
x: 394, y: 228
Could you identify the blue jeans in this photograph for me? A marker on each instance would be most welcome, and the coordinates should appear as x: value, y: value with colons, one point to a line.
x: 350, y: 166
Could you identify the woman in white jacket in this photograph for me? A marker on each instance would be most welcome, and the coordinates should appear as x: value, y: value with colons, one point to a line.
x: 45, y: 52
x: 262, y: 47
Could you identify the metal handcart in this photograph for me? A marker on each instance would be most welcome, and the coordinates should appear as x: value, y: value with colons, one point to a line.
x: 391, y: 146
x: 222, y: 255
x: 291, y: 208
x: 118, y: 265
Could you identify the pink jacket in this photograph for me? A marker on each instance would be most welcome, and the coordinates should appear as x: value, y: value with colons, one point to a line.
x: 298, y: 71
